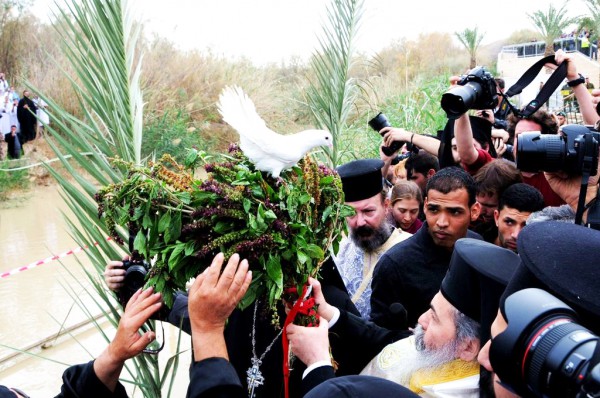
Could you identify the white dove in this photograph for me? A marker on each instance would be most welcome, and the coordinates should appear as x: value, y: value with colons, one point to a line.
x: 269, y: 151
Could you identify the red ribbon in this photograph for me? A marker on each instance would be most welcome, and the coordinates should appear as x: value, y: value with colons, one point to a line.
x: 301, y: 306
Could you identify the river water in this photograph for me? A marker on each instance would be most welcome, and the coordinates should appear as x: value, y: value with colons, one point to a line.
x: 36, y: 304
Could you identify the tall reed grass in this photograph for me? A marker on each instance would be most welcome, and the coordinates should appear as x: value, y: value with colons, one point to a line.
x: 188, y: 83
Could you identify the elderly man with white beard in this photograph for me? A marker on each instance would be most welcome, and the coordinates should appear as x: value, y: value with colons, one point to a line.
x: 439, y: 357
x: 444, y: 347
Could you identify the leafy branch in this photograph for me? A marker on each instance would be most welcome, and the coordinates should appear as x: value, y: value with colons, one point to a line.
x: 284, y: 227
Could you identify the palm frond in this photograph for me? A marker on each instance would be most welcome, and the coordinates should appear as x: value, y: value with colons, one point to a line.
x: 551, y: 24
x: 471, y: 40
x: 331, y: 93
x: 99, y: 40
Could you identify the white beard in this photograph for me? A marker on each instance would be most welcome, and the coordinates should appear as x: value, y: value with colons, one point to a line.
x: 398, y: 361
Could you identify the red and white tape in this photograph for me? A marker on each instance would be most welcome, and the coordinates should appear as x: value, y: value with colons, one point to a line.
x: 44, y: 261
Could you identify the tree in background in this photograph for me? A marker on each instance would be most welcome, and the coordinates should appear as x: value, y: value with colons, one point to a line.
x: 594, y: 21
x: 586, y: 23
x: 551, y: 24
x: 14, y: 35
x: 471, y: 39
x: 11, y: 8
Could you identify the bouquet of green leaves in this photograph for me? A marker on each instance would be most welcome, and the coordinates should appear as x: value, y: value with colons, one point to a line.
x: 284, y: 227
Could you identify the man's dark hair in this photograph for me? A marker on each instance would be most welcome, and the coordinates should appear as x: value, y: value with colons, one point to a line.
x: 496, y: 176
x: 521, y: 197
x: 421, y: 162
x: 451, y: 179
x: 541, y: 117
x: 500, y: 82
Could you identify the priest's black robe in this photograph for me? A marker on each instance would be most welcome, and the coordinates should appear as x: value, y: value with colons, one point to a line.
x: 27, y: 119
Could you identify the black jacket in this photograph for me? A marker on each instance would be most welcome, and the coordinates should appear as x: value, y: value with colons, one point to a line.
x: 410, y: 274
x: 80, y: 381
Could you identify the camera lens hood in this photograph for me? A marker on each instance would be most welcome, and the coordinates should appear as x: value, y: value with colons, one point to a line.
x: 526, y: 311
x: 540, y: 152
x: 378, y: 122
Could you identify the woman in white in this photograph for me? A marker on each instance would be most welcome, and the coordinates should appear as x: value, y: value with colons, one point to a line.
x: 12, y: 113
x: 5, y: 122
x: 42, y: 115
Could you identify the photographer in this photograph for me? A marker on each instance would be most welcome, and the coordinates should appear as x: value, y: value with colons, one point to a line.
x: 100, y: 378
x: 430, y: 144
x: 572, y: 278
x: 393, y: 134
x: 178, y: 316
x: 576, y: 81
x: 472, y: 153
x: 212, y: 298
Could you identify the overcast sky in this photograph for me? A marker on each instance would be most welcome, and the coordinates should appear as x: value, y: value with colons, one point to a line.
x: 272, y: 30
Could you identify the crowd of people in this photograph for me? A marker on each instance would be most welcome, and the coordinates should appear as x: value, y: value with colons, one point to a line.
x: 415, y: 301
x: 22, y: 119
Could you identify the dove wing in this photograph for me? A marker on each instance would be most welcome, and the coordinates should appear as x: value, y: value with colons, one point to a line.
x: 256, y: 139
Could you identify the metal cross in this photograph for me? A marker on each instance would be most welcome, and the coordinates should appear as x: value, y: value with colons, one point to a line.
x: 255, y: 378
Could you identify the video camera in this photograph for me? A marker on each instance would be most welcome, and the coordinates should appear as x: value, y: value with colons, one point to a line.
x: 544, y: 352
x: 477, y: 90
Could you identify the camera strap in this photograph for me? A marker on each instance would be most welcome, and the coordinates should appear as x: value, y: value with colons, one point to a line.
x: 587, y: 170
x: 550, y: 86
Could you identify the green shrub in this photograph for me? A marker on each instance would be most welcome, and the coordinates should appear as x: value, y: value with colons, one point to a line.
x: 416, y: 109
x: 173, y: 133
x: 11, y: 180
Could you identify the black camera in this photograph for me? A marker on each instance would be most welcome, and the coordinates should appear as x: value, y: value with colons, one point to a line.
x: 377, y: 123
x: 544, y: 352
x: 571, y: 152
x: 135, y: 278
x: 477, y: 90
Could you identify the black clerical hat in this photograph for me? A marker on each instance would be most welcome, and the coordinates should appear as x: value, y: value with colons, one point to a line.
x: 359, y: 386
x: 361, y: 179
x: 562, y: 259
x: 478, y: 274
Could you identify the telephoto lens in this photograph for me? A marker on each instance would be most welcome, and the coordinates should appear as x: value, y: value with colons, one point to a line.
x: 543, y: 352
x: 477, y: 90
x: 572, y: 152
x: 379, y: 122
x: 540, y: 152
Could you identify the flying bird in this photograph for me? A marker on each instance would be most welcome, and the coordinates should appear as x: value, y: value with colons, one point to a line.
x: 269, y: 151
